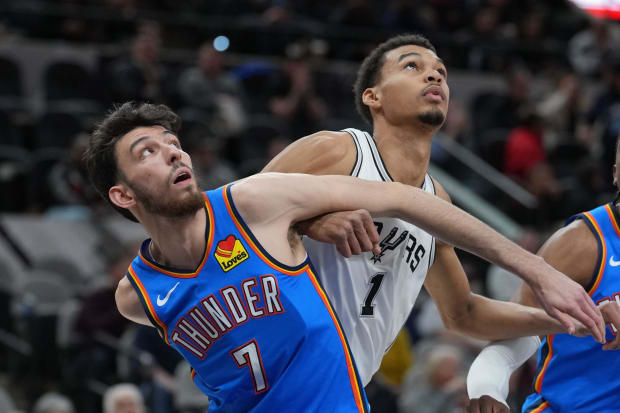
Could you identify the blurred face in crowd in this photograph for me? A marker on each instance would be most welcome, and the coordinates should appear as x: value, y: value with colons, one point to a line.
x: 157, y: 174
x: 127, y: 404
x: 412, y: 85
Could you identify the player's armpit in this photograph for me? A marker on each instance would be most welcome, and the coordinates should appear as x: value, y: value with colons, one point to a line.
x: 322, y: 153
x: 128, y: 303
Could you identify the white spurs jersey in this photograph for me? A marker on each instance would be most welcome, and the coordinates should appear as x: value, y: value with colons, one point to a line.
x: 373, y: 295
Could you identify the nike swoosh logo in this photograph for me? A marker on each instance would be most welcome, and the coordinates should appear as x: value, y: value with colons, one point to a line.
x: 612, y: 262
x: 163, y: 301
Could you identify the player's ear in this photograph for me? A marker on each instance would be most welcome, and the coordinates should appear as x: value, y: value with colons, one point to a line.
x: 615, y: 176
x: 371, y: 98
x: 121, y: 196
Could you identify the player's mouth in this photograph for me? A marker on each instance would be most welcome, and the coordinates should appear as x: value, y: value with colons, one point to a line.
x: 182, y: 177
x: 434, y: 93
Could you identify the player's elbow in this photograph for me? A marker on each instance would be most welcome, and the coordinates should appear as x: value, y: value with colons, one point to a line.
x: 462, y: 321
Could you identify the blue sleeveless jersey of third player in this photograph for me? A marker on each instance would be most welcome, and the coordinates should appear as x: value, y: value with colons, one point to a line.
x: 575, y: 374
x: 260, y: 336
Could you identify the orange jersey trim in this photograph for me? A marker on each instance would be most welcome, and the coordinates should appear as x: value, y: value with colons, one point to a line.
x: 355, y: 387
x: 541, y: 375
x: 540, y: 408
x: 204, y: 258
x: 149, y: 304
x: 612, y: 218
x: 251, y: 243
x: 599, y: 233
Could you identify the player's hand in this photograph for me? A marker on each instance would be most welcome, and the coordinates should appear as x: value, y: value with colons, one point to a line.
x: 487, y: 404
x: 563, y: 298
x: 611, y: 314
x: 352, y: 232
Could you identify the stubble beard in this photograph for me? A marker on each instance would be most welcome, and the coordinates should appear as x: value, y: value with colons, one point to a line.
x: 433, y: 117
x: 163, y: 205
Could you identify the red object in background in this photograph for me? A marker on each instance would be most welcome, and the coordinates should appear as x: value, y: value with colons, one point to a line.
x: 606, y: 9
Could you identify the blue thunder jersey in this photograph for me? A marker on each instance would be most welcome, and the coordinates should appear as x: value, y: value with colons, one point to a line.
x: 575, y: 374
x: 260, y: 336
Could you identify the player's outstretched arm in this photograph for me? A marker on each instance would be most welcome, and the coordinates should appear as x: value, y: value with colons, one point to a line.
x: 573, y: 250
x: 291, y: 198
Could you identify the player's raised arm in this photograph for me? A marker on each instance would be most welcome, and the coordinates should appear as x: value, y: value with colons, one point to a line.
x: 287, y: 199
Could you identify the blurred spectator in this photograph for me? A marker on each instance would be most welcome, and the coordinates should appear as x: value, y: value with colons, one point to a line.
x: 294, y: 99
x: 355, y: 13
x: 588, y: 48
x: 560, y: 108
x: 407, y: 16
x: 435, y: 383
x: 499, y: 109
x: 139, y: 76
x: 6, y: 402
x: 209, y: 87
x: 123, y: 398
x: 98, y: 319
x: 53, y: 403
x: 151, y: 365
x: 602, y: 120
x: 69, y: 186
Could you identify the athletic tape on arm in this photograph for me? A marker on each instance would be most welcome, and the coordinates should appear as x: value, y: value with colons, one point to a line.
x: 490, y: 372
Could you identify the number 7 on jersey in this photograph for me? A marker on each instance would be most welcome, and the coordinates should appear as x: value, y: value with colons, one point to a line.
x: 249, y: 354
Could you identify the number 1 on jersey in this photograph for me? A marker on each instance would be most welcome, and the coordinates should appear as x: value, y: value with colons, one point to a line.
x: 249, y: 354
x: 368, y: 308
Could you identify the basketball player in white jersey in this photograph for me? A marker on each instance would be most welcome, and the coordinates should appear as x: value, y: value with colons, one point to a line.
x: 401, y: 91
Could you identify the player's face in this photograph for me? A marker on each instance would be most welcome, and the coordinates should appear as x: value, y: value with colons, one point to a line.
x: 413, y: 85
x: 158, y: 174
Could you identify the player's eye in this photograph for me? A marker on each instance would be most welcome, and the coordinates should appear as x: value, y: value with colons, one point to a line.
x: 411, y: 65
x: 146, y: 152
x: 443, y: 72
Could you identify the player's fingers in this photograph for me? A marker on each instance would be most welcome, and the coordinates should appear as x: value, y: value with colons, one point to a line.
x: 354, y: 244
x: 588, y: 321
x: 343, y: 249
x: 370, y: 227
x: 590, y: 315
x: 474, y: 406
x: 565, y: 320
x: 594, y: 312
x: 362, y: 236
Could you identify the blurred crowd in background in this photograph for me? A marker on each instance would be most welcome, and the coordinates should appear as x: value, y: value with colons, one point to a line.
x: 535, y: 96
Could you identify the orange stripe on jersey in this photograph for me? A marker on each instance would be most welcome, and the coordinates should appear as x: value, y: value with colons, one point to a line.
x: 204, y: 258
x: 355, y: 387
x: 148, y: 302
x: 540, y: 408
x: 257, y: 250
x: 612, y: 218
x: 541, y: 375
x: 601, y: 268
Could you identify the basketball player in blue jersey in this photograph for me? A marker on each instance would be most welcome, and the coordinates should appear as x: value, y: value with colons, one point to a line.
x: 402, y: 92
x: 226, y: 280
x: 574, y: 375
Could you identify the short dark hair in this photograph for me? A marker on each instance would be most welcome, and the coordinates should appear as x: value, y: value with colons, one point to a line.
x: 369, y: 72
x: 100, y: 157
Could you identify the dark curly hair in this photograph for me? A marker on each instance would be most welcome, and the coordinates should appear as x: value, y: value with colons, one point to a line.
x: 100, y: 157
x: 369, y: 72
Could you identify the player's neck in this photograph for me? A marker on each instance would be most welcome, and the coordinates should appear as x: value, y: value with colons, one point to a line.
x: 406, y: 151
x: 178, y: 242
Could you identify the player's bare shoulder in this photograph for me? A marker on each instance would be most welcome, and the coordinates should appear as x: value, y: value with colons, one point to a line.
x: 322, y: 153
x: 128, y: 303
x: 573, y: 250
